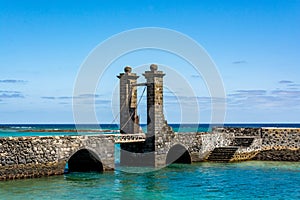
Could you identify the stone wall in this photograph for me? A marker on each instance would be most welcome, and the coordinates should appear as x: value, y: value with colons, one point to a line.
x: 281, y: 138
x: 278, y: 144
x: 25, y: 157
x: 215, y: 139
x: 268, y: 144
x: 22, y: 157
x: 238, y: 131
x: 191, y: 141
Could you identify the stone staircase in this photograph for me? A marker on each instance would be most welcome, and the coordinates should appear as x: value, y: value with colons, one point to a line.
x: 222, y: 154
x: 225, y: 154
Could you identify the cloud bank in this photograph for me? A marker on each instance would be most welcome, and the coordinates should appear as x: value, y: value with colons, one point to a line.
x: 12, y: 81
x: 4, y: 94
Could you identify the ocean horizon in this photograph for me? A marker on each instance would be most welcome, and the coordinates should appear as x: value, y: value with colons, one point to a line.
x: 15, y: 130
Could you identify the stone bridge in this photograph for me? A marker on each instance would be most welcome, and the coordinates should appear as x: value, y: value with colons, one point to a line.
x: 163, y: 146
x: 24, y: 157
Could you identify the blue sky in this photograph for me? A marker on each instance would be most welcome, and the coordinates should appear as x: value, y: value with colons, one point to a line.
x: 254, y: 44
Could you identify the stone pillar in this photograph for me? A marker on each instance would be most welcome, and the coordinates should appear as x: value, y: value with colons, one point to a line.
x: 129, y: 122
x: 153, y: 151
x: 157, y: 128
x: 155, y: 114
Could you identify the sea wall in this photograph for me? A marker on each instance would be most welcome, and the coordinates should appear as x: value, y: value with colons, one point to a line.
x: 25, y: 157
x: 273, y: 144
x: 281, y: 138
x: 238, y: 132
x: 280, y: 144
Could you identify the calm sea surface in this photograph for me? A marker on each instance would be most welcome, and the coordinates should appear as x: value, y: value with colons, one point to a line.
x: 245, y: 180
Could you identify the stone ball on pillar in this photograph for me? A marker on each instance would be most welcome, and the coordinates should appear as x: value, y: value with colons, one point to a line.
x: 127, y: 69
x: 153, y: 67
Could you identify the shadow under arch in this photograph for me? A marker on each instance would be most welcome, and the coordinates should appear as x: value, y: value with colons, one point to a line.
x: 178, y: 154
x: 84, y: 160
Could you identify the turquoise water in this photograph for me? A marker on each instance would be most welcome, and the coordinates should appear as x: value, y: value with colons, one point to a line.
x: 246, y: 180
x: 15, y: 130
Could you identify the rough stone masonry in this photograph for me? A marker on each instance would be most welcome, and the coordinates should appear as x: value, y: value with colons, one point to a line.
x: 28, y: 157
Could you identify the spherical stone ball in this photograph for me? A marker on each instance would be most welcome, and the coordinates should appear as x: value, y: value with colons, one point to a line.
x: 153, y: 67
x: 127, y: 69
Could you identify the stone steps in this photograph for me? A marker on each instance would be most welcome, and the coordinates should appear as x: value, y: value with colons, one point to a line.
x: 222, y: 154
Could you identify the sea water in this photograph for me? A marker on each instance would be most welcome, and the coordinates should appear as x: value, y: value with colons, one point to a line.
x: 15, y: 130
x: 244, y: 180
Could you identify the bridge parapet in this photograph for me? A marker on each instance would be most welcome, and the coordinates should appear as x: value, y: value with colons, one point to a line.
x: 129, y: 138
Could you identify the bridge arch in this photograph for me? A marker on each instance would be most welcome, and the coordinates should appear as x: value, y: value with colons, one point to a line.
x: 178, y: 154
x: 84, y: 160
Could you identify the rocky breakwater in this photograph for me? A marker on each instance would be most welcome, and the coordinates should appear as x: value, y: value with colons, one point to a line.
x: 69, y: 130
x: 280, y: 144
x: 28, y: 157
x: 272, y: 144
